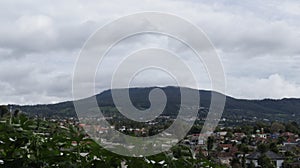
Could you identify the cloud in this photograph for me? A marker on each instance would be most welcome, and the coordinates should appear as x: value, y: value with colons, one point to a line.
x: 274, y: 86
x: 35, y: 79
x: 40, y: 41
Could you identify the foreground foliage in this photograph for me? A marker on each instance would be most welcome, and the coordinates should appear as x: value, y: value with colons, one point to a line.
x: 28, y: 142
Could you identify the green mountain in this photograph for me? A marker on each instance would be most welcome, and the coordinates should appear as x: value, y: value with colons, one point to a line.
x: 287, y: 109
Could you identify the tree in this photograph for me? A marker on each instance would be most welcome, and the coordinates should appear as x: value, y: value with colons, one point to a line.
x: 280, y: 140
x: 3, y: 110
x: 262, y: 148
x: 251, y: 165
x: 273, y: 147
x: 16, y: 112
x: 176, y: 152
x: 235, y: 163
x: 292, y: 127
x: 277, y: 127
x: 265, y: 162
x: 247, y: 129
x: 210, y: 143
x: 229, y: 135
x: 246, y: 140
x: 244, y: 149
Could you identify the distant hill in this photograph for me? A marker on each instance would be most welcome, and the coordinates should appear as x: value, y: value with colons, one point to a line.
x: 235, y: 109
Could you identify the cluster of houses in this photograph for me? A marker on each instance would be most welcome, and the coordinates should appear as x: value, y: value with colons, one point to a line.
x: 226, y: 144
x: 226, y: 147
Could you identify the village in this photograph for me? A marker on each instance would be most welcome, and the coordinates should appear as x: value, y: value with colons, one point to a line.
x: 258, y: 144
x: 250, y: 146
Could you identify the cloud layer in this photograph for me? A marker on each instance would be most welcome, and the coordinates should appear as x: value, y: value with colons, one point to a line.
x: 258, y: 42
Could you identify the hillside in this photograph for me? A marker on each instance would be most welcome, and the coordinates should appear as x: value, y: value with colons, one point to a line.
x: 282, y: 110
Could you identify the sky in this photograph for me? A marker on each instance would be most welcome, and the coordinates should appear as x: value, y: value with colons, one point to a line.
x: 257, y: 42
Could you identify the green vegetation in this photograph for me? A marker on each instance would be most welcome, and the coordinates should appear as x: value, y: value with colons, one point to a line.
x: 26, y: 142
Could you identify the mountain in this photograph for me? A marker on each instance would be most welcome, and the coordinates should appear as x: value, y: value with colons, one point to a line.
x: 235, y: 109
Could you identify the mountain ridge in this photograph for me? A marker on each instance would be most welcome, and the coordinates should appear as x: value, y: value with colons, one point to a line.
x: 272, y: 109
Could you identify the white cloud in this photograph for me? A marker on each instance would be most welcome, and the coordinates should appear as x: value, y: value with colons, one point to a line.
x: 274, y: 86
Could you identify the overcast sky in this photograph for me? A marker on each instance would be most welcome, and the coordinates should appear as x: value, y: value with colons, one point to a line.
x: 257, y: 41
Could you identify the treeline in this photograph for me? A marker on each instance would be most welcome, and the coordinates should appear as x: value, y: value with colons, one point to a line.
x: 266, y: 127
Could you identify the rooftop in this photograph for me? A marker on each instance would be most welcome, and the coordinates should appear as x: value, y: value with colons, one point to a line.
x: 269, y: 154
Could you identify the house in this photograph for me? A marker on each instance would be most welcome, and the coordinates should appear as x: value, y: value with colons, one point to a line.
x: 290, y: 137
x: 262, y: 136
x: 227, y: 153
x: 194, y: 139
x: 276, y: 159
x: 274, y: 136
x: 200, y: 138
x: 239, y: 136
x: 225, y: 158
x: 221, y: 135
x: 288, y: 134
x: 294, y: 164
x: 288, y: 147
x: 225, y: 147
